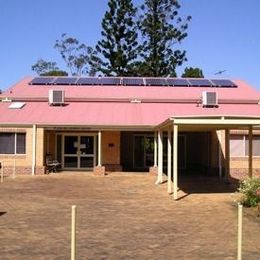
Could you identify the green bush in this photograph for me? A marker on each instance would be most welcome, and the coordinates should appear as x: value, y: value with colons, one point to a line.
x: 250, y: 188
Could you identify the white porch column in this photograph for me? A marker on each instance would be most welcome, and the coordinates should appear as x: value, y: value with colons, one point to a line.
x: 250, y: 152
x: 227, y: 154
x: 175, y: 162
x: 169, y: 160
x: 155, y: 152
x: 34, y: 149
x: 99, y: 149
x: 160, y: 157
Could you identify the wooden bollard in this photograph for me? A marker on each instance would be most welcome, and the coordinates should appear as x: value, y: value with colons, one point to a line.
x: 73, y: 232
x: 239, y: 232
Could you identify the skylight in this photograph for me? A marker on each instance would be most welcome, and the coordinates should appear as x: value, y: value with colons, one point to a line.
x: 16, y: 105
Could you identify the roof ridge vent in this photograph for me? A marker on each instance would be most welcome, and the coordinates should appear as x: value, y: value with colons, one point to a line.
x: 6, y: 99
x: 135, y: 100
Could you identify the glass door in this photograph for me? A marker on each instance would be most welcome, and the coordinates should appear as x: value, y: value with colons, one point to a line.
x: 86, y: 152
x: 143, y: 151
x: 70, y: 158
x: 79, y: 152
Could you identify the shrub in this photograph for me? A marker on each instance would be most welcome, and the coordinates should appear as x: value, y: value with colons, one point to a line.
x: 250, y: 188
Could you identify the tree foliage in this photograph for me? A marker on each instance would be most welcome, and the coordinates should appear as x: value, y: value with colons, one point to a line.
x: 191, y: 72
x: 118, y: 47
x: 47, y: 68
x: 162, y: 29
x: 77, y: 56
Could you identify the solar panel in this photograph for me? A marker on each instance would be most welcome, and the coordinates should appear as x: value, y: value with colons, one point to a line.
x: 109, y: 81
x: 156, y: 82
x: 42, y: 81
x: 178, y: 82
x: 65, y: 81
x: 200, y: 83
x: 224, y: 83
x: 88, y: 81
x: 133, y: 82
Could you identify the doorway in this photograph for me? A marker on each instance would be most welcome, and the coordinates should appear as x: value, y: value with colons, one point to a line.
x: 143, y: 151
x: 78, y: 152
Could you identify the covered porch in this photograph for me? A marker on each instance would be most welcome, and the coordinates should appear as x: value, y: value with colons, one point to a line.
x: 221, y: 125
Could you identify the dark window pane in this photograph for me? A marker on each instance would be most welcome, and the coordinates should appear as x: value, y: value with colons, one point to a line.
x: 7, y: 143
x: 86, y: 162
x: 139, y: 152
x: 59, y: 142
x: 71, y: 144
x: 20, y: 143
x: 87, y: 145
x: 149, y: 151
x: 70, y: 162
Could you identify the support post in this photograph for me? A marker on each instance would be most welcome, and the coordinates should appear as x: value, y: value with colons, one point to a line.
x: 73, y: 232
x: 99, y: 149
x: 227, y: 155
x: 160, y: 157
x: 169, y: 160
x: 250, y: 152
x: 175, y: 162
x: 34, y: 149
x: 155, y: 152
x: 239, y: 232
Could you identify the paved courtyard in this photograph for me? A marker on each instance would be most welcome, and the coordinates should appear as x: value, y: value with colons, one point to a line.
x: 120, y: 216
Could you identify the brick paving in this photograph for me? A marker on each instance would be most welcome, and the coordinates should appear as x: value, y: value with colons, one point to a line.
x: 120, y: 216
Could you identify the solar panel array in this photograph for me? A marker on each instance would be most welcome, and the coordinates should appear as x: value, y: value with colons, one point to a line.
x: 128, y: 81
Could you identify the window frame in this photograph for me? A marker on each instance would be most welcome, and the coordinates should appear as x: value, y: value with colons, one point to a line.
x: 245, y: 145
x: 15, y: 145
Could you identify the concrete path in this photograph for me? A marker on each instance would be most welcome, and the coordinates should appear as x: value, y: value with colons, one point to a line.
x: 120, y: 216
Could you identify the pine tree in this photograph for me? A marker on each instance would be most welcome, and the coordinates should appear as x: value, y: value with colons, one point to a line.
x: 118, y: 47
x: 162, y: 29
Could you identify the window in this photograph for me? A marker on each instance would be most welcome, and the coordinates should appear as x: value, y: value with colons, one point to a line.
x: 12, y: 143
x: 239, y: 145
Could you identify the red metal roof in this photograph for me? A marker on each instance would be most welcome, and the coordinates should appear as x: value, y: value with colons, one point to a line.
x: 121, y: 113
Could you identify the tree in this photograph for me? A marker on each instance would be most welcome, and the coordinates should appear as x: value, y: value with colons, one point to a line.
x: 190, y: 72
x: 47, y: 68
x: 118, y: 48
x: 76, y: 55
x: 162, y: 29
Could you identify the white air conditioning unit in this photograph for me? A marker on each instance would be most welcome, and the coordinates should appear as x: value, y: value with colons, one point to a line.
x: 209, y: 99
x: 56, y: 97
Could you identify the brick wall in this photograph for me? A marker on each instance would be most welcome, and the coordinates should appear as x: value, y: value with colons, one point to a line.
x: 22, y: 163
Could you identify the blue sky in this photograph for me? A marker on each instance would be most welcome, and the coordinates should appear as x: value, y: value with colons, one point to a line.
x: 223, y: 35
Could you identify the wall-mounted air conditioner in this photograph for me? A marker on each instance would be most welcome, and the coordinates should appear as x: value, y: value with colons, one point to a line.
x: 209, y: 99
x: 56, y: 97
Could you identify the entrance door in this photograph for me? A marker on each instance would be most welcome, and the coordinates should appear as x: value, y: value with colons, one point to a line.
x: 78, y: 152
x: 143, y: 151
